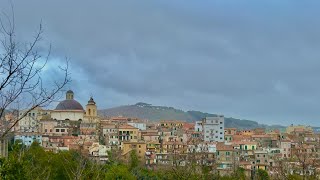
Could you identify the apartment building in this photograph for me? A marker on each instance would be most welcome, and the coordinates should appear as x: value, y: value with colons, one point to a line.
x: 213, y: 129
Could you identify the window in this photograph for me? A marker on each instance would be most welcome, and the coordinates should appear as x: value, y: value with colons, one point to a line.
x: 45, y: 130
x: 139, y: 146
x: 62, y: 130
x: 220, y: 127
x: 220, y: 122
x: 50, y: 130
x: 57, y: 130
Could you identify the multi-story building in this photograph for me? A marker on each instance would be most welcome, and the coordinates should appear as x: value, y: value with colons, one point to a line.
x: 261, y: 159
x: 285, y: 147
x: 150, y: 135
x: 227, y: 158
x: 109, y: 133
x: 213, y: 129
x: 30, y: 120
x: 28, y: 138
x: 127, y: 133
x: 140, y: 147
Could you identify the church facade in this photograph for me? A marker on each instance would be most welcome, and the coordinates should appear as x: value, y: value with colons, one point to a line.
x: 70, y: 109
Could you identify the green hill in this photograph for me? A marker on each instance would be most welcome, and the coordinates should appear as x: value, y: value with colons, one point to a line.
x: 155, y: 113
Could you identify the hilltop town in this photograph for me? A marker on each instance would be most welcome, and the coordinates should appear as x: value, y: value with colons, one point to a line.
x: 166, y: 143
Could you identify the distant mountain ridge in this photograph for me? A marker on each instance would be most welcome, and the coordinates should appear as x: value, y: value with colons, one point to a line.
x: 154, y: 113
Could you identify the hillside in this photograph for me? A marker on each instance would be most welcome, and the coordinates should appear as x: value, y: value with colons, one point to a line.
x: 154, y: 113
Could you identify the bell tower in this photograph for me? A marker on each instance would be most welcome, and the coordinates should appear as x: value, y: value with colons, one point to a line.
x: 91, y: 108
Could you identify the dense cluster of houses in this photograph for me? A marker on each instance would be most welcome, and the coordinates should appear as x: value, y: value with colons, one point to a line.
x: 170, y: 142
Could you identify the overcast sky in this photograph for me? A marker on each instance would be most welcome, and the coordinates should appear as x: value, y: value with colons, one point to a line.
x: 256, y: 60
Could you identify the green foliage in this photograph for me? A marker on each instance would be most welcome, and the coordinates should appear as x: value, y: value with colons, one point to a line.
x: 240, y: 174
x: 262, y: 175
x: 134, y: 160
x: 34, y: 163
x: 295, y: 177
x: 119, y: 172
x: 12, y: 169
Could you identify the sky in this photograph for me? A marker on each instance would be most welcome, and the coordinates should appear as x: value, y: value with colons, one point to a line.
x: 248, y: 59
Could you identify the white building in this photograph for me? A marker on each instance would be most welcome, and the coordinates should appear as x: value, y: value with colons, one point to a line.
x: 198, y: 126
x: 30, y: 120
x: 139, y: 125
x: 213, y: 129
x: 99, y: 151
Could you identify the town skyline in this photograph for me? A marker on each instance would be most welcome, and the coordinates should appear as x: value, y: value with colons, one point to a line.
x: 159, y: 90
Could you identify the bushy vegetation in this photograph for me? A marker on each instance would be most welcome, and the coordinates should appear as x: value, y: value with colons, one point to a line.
x: 35, y: 163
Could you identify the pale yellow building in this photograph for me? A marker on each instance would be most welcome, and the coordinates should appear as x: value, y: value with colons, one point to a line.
x: 128, y: 133
x: 140, y: 147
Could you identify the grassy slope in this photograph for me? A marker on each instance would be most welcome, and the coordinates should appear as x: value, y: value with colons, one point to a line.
x: 154, y: 113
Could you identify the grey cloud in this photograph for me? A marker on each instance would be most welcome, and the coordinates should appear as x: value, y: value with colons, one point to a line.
x: 244, y: 59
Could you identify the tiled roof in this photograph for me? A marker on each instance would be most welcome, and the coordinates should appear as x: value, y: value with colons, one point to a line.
x: 126, y: 126
x: 224, y: 147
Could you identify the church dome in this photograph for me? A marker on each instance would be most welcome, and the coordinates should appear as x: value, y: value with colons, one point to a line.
x: 69, y: 104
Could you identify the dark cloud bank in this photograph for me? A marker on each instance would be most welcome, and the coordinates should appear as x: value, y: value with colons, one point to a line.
x: 251, y: 59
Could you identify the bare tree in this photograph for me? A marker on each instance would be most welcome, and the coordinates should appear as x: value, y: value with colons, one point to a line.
x: 21, y: 71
